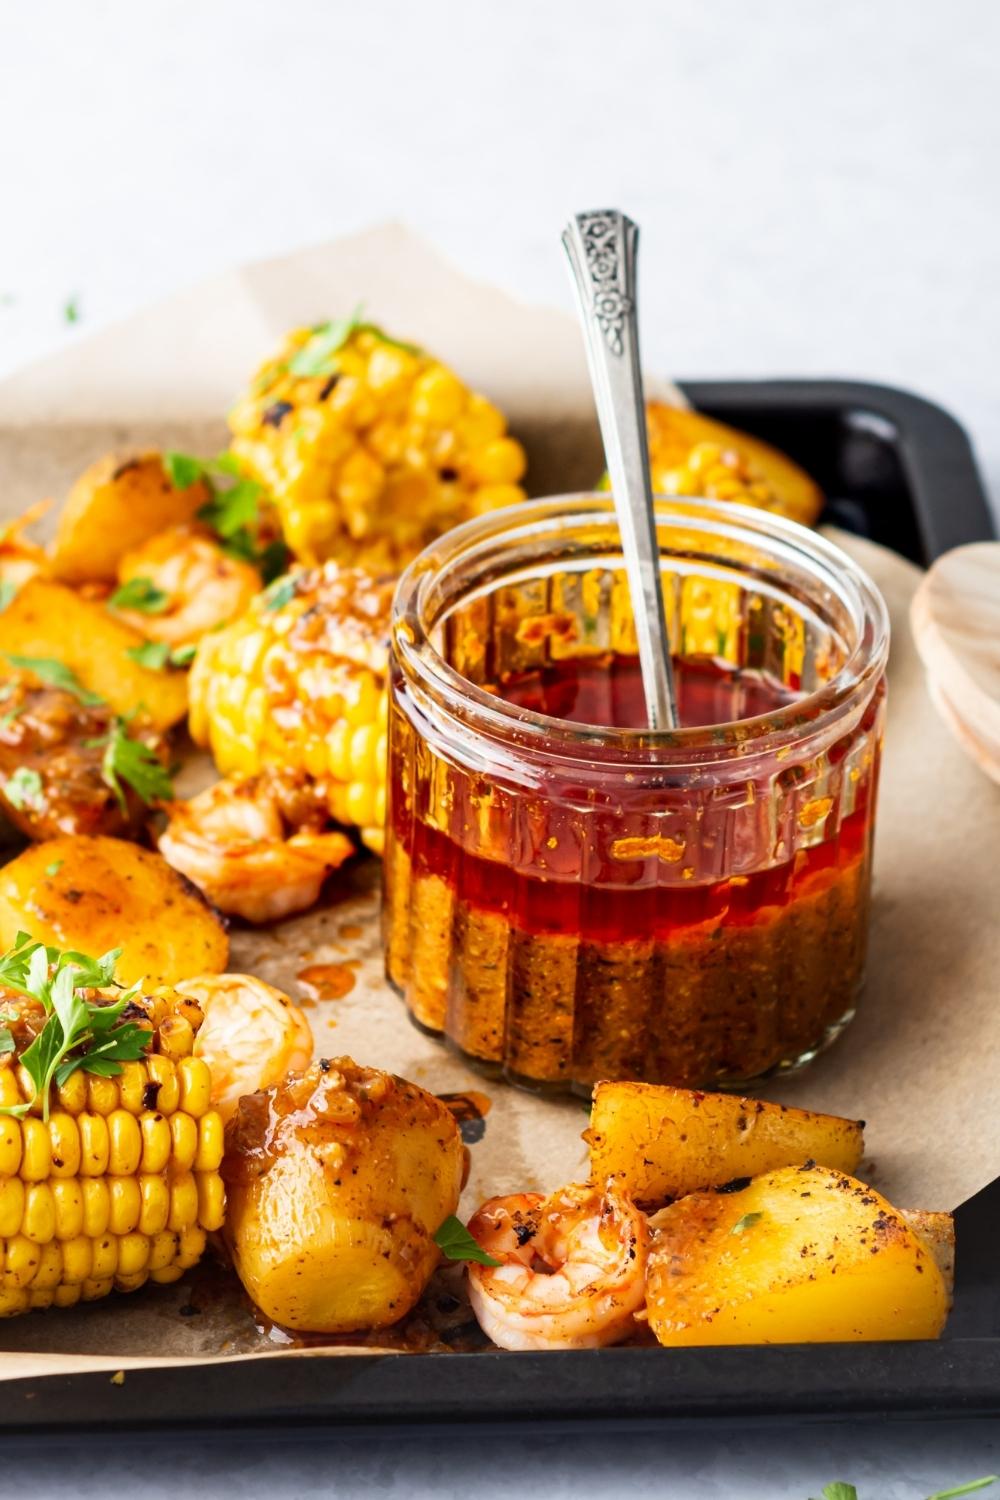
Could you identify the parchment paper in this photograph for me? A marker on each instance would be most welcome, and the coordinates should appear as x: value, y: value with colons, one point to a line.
x: 921, y: 1061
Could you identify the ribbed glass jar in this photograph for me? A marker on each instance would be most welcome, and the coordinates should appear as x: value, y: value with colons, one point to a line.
x: 567, y: 901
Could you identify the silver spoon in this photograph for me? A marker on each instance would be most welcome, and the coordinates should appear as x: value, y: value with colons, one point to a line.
x: 601, y: 249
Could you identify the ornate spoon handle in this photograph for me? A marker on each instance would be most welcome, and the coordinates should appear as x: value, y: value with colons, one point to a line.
x: 601, y: 248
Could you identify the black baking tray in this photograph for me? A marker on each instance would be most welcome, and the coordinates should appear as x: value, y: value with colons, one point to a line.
x: 899, y: 470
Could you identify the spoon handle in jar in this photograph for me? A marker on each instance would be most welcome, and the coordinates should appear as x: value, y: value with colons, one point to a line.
x: 601, y: 248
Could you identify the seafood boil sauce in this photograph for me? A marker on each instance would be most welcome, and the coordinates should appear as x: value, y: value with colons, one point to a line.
x: 669, y: 927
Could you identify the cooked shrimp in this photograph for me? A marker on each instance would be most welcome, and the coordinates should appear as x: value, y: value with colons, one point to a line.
x: 197, y: 586
x: 21, y: 558
x: 259, y: 849
x: 252, y: 1036
x: 572, y: 1272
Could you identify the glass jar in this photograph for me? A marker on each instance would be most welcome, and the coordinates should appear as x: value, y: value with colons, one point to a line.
x: 567, y: 900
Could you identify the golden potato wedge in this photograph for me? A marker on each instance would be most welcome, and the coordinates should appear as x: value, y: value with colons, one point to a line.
x: 937, y: 1230
x: 662, y: 1142
x: 801, y: 1255
x: 47, y: 620
x: 117, y: 504
x: 94, y: 893
x: 336, y: 1183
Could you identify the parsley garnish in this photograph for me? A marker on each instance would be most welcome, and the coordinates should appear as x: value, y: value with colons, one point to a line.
x: 316, y: 355
x: 77, y: 1032
x: 133, y: 762
x: 232, y: 510
x: 157, y: 656
x: 71, y: 310
x: 141, y: 594
x: 53, y: 868
x: 8, y: 588
x: 458, y: 1244
x: 56, y: 674
x: 841, y: 1491
x: 23, y: 789
x: 747, y: 1222
x: 281, y: 592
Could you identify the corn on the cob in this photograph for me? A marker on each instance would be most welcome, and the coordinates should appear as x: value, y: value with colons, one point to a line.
x: 691, y: 454
x: 120, y: 1184
x: 370, y: 448
x: 299, y: 682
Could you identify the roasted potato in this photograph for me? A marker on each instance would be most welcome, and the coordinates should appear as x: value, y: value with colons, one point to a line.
x: 799, y: 1255
x: 662, y: 1142
x: 48, y: 621
x: 337, y: 1181
x: 117, y: 504
x: 90, y: 894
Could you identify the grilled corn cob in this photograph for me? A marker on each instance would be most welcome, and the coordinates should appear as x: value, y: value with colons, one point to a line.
x: 299, y: 682
x: 370, y: 448
x: 690, y: 454
x: 120, y: 1183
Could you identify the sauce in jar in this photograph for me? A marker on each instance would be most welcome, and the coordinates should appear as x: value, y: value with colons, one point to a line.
x: 570, y: 898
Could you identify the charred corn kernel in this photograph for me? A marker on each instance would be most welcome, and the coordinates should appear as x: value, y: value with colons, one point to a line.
x: 195, y: 1086
x: 50, y: 1264
x: 105, y: 1260
x: 36, y: 1154
x: 319, y: 644
x: 64, y: 1145
x: 211, y: 1142
x: 132, y: 1086
x: 72, y: 1094
x: 102, y: 1094
x: 124, y: 1143
x: 368, y: 450
x: 184, y: 1139
x: 165, y: 1274
x: 96, y: 1205
x: 124, y: 1204
x: 20, y: 1262
x: 11, y: 1206
x: 10, y: 1092
x: 131, y: 1283
x: 211, y: 1200
x: 101, y: 1194
x: 13, y: 1302
x: 10, y: 1146
x: 162, y: 1250
x: 77, y: 1259
x: 67, y: 1195
x: 190, y: 1246
x: 156, y: 1142
x: 133, y: 1254
x: 155, y: 1211
x: 26, y: 1087
x: 183, y: 1202
x: 176, y: 1037
x: 39, y: 1222
x: 163, y: 1074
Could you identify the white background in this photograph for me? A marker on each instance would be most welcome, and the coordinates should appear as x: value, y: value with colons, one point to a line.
x: 819, y: 190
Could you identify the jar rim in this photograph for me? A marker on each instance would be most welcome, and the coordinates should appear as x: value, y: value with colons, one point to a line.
x: 805, y: 716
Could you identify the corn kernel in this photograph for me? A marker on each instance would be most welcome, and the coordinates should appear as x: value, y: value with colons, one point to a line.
x: 211, y: 1200
x: 124, y: 1204
x: 166, y: 1274
x: 102, y: 1094
x: 124, y: 1143
x: 162, y: 1250
x: 65, y: 1295
x: 39, y: 1223
x: 11, y: 1206
x: 133, y: 1254
x: 156, y: 1142
x: 190, y: 1247
x: 195, y: 1084
x: 183, y: 1202
x: 10, y: 1146
x: 67, y: 1195
x: 64, y: 1143
x: 96, y: 1205
x: 184, y: 1140
x: 176, y: 1037
x: 94, y: 1145
x: 132, y: 1086
x: 211, y: 1142
x: 155, y: 1211
x: 163, y: 1073
x: 36, y: 1153
x: 73, y: 1093
x: 92, y: 1290
x: 105, y: 1261
x: 21, y: 1258
x: 49, y: 1271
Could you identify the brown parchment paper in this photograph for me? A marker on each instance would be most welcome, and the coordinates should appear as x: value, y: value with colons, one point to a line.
x: 921, y: 1061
